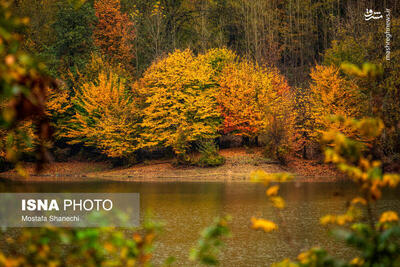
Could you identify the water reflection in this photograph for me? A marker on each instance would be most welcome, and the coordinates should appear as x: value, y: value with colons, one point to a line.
x: 188, y: 207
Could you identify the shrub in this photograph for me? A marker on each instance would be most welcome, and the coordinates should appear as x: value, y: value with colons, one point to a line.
x: 58, y: 246
x: 209, y: 156
x: 16, y: 142
x: 277, y: 140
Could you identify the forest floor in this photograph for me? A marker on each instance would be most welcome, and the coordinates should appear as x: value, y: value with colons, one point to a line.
x: 239, y: 164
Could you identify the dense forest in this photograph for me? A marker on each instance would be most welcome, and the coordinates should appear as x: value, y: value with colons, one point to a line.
x: 138, y: 78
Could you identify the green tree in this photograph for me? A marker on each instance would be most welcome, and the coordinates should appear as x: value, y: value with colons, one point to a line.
x: 73, y: 28
x: 38, y: 35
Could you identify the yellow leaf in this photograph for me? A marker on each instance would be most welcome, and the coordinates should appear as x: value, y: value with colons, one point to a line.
x: 272, y: 191
x: 327, y: 219
x: 343, y: 219
x: 265, y: 225
x: 278, y: 202
x: 359, y: 200
x: 389, y: 216
x: 357, y: 261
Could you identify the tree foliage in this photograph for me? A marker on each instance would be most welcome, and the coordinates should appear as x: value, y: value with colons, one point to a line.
x: 73, y: 29
x: 24, y: 84
x: 114, y: 32
x: 106, y: 116
x: 178, y: 103
x: 240, y: 98
x: 332, y: 94
x: 257, y: 101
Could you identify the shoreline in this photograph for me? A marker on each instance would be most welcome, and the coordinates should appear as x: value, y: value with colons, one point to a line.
x: 237, y: 168
x: 78, y: 180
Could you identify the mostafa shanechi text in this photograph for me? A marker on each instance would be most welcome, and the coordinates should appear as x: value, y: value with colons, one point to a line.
x: 387, y: 34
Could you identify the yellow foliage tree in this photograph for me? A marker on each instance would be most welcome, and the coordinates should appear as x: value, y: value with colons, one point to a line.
x: 58, y: 109
x: 332, y: 95
x: 218, y: 58
x: 178, y: 101
x: 106, y: 116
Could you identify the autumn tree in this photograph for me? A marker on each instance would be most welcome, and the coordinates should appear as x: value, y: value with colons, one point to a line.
x: 238, y: 98
x: 114, y: 32
x: 279, y: 131
x: 248, y: 94
x: 178, y: 103
x: 304, y: 122
x: 218, y: 59
x: 59, y: 109
x: 332, y: 94
x: 106, y: 116
x: 256, y: 102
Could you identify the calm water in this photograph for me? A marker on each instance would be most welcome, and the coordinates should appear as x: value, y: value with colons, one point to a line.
x: 186, y: 208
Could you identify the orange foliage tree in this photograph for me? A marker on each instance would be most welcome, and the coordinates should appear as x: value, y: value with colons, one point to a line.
x: 178, y: 103
x: 257, y: 102
x: 250, y: 97
x: 114, y: 32
x: 238, y: 98
x: 279, y: 130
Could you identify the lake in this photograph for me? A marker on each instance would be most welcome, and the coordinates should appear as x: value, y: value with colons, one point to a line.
x: 188, y: 207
